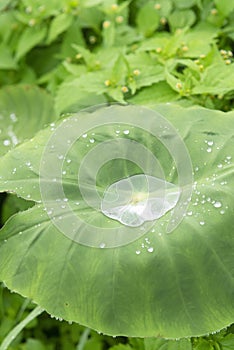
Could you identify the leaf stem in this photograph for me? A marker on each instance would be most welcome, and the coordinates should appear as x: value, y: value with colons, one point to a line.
x: 83, y: 339
x: 17, y: 329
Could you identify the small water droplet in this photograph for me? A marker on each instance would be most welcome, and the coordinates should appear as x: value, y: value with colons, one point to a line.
x: 84, y: 136
x: 150, y: 249
x: 13, y: 117
x: 209, y: 149
x: 102, y: 245
x: 126, y: 132
x: 138, y: 252
x: 91, y: 140
x: 202, y: 223
x: 6, y: 142
x: 210, y: 143
x: 217, y: 204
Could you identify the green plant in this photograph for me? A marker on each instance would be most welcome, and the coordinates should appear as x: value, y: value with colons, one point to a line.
x: 62, y: 56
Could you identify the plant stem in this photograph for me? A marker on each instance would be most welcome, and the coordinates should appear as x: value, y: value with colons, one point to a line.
x: 17, y: 329
x: 83, y: 339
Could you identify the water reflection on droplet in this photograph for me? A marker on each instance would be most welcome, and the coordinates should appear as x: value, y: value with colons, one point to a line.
x: 139, y: 198
x: 217, y: 204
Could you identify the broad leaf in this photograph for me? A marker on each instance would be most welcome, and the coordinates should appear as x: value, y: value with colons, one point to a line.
x: 31, y: 37
x: 24, y: 110
x: 148, y: 19
x: 172, y: 285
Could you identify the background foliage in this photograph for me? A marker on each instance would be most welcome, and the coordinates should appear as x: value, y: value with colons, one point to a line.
x: 68, y: 54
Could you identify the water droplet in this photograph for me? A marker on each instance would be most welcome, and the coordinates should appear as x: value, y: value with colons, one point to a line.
x: 219, y: 166
x: 210, y: 143
x: 84, y: 136
x: 202, y: 223
x: 126, y: 132
x: 209, y: 149
x: 189, y: 213
x: 138, y: 252
x: 91, y: 140
x: 64, y: 172
x: 13, y: 117
x: 150, y: 249
x: 217, y: 204
x: 6, y: 142
x: 65, y: 199
x: 139, y: 198
x: 68, y: 161
x: 102, y: 245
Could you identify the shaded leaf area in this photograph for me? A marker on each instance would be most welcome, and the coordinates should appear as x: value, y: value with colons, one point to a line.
x: 24, y: 110
x: 99, y: 51
x: 187, y: 275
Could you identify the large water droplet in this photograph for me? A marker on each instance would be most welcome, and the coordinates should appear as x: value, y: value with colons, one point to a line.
x: 139, y: 198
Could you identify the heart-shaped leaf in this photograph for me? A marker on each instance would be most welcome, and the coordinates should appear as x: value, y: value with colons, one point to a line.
x: 173, y: 285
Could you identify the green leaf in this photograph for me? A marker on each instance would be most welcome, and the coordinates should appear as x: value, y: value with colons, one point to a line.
x: 24, y: 109
x: 6, y: 59
x: 225, y: 7
x: 121, y: 347
x: 181, y: 19
x: 188, y: 278
x: 162, y: 344
x: 147, y: 19
x: 183, y: 4
x: 58, y: 25
x: 31, y: 37
x: 4, y: 3
x: 227, y: 342
x: 217, y: 79
x: 159, y: 92
x: 12, y: 205
x: 199, y: 40
x: 90, y: 85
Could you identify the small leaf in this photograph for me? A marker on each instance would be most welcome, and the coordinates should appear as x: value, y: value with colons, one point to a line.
x: 181, y: 19
x: 156, y: 93
x: 31, y: 37
x: 24, y: 109
x: 184, y: 4
x: 6, y: 59
x: 225, y: 7
x: 58, y: 25
x: 147, y: 19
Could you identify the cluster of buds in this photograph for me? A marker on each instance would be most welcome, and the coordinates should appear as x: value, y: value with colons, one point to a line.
x: 227, y: 55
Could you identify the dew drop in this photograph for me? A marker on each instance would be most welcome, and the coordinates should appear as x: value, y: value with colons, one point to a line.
x: 102, y: 245
x: 139, y: 198
x: 126, y: 132
x: 138, y: 252
x: 84, y: 136
x: 217, y: 204
x: 91, y: 140
x: 209, y: 150
x: 6, y: 142
x: 150, y: 249
x: 202, y: 223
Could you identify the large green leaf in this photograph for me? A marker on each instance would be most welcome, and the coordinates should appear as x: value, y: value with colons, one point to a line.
x: 24, y: 109
x: 172, y: 285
